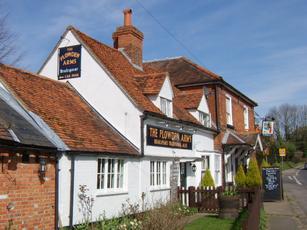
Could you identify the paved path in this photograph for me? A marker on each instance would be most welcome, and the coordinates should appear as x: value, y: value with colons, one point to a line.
x: 291, y: 213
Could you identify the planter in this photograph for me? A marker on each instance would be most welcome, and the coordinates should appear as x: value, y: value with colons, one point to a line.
x: 229, y: 207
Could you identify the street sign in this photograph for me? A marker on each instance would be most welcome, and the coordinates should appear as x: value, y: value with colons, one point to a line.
x: 282, y: 152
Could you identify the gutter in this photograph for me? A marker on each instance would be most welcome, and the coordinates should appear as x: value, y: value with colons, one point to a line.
x: 72, y: 185
x: 143, y: 118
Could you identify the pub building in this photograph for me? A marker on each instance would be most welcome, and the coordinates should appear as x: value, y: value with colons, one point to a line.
x: 172, y: 145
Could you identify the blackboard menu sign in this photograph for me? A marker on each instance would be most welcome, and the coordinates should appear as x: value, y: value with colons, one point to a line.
x: 272, y: 186
x: 157, y: 136
x: 69, y: 62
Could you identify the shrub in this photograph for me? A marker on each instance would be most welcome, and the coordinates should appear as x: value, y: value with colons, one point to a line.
x: 264, y: 163
x: 240, y: 177
x: 207, y: 180
x: 253, y: 177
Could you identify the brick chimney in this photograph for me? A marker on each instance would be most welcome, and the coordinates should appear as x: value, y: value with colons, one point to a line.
x: 130, y: 39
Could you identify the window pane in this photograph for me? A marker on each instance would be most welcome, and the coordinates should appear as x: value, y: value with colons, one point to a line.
x: 110, y: 183
x: 164, y: 173
x: 120, y: 174
x: 158, y: 172
x: 100, y: 173
x: 152, y: 173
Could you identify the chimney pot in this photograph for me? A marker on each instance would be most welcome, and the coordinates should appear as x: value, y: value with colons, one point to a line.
x: 127, y: 17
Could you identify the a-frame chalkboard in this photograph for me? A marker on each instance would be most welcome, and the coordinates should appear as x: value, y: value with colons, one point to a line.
x: 272, y: 183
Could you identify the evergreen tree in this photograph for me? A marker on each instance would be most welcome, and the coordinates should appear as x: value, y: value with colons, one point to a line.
x: 253, y: 176
x: 207, y: 180
x: 240, y: 177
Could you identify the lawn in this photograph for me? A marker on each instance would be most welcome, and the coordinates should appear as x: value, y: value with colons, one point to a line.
x: 210, y: 223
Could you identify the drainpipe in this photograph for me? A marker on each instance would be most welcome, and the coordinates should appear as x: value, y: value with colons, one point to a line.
x: 223, y: 168
x: 72, y: 185
x: 57, y: 191
x: 143, y: 118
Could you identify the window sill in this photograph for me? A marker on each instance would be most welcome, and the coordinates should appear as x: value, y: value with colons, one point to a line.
x: 156, y: 189
x: 111, y: 193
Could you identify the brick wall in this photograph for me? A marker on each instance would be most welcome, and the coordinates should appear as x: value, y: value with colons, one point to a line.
x: 32, y: 199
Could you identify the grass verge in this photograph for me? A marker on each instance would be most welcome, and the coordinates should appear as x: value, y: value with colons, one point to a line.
x: 210, y: 222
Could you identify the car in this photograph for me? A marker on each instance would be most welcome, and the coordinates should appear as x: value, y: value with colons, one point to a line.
x: 305, y: 166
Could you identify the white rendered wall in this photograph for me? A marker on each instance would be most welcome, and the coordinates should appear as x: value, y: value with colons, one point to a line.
x: 98, y: 89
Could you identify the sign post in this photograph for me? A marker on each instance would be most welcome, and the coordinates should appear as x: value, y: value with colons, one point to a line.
x: 282, y: 154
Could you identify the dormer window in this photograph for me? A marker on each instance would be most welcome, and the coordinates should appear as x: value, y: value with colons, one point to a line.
x: 205, y: 119
x: 245, y: 115
x: 166, y: 106
x: 228, y: 110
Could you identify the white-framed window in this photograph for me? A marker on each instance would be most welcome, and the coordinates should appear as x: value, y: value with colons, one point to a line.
x: 228, y: 110
x: 158, y: 174
x: 110, y: 174
x: 205, y: 118
x: 245, y: 115
x: 166, y: 106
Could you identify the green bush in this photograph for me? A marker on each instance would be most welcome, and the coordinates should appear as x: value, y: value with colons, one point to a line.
x: 240, y: 177
x: 264, y: 163
x: 207, y: 180
x: 253, y: 176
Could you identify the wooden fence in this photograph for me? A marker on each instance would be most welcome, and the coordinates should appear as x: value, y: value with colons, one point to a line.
x: 207, y: 200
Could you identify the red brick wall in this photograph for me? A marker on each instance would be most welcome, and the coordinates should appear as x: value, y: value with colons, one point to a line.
x: 32, y: 198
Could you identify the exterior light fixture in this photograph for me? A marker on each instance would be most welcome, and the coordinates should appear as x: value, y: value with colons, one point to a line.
x: 193, y: 168
x: 42, y: 167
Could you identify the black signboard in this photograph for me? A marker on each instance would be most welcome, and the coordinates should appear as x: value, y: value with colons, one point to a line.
x: 69, y: 62
x: 272, y: 184
x: 168, y: 138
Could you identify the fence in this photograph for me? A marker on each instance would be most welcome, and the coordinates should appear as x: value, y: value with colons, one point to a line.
x: 207, y: 200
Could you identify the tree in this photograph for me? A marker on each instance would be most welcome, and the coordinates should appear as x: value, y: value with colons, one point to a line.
x: 207, y: 180
x: 253, y: 176
x: 8, y: 52
x: 240, y: 177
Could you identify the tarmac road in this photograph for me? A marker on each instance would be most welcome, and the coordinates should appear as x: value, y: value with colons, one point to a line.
x: 295, y: 187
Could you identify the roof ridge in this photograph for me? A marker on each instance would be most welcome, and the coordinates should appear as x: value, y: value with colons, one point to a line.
x: 163, y: 59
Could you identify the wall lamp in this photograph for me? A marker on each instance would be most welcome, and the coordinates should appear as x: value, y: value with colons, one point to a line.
x: 42, y: 167
x: 193, y: 168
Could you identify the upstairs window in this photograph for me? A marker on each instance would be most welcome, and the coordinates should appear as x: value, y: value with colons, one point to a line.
x: 205, y: 119
x: 245, y: 115
x: 166, y: 106
x: 110, y: 174
x: 228, y: 110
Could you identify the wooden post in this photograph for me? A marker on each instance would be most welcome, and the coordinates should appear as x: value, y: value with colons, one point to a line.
x: 191, y: 196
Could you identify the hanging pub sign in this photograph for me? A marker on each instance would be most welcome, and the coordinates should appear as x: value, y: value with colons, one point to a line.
x: 168, y: 138
x: 69, y: 62
x: 267, y: 128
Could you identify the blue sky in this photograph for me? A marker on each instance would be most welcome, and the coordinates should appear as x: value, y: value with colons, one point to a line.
x: 260, y: 47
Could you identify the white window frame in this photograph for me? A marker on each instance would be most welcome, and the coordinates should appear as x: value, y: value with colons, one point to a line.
x: 229, y: 119
x: 166, y: 106
x: 159, y: 177
x: 117, y: 173
x: 205, y: 118
x: 205, y: 162
x: 246, y: 117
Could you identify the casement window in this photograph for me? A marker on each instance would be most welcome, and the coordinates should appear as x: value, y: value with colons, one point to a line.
x: 166, y: 106
x: 205, y: 119
x: 110, y: 174
x: 158, y: 174
x: 228, y: 110
x: 245, y: 115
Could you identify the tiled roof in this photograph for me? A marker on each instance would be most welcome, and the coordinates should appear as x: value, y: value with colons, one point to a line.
x: 182, y: 70
x: 79, y: 127
x: 120, y: 68
x: 150, y: 84
x: 23, y: 131
x: 189, y: 99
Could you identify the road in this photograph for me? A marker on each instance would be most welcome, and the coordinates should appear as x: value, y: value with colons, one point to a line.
x: 295, y: 187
